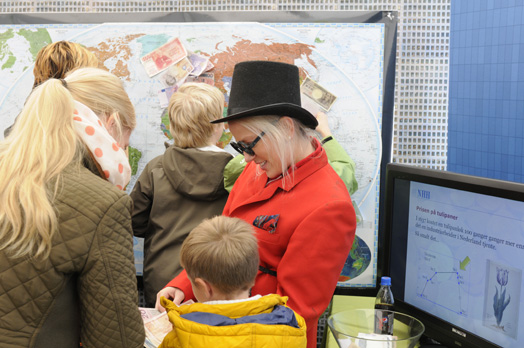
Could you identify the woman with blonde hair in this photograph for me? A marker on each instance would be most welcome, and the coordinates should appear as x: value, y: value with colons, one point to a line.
x: 300, y: 208
x: 66, y: 247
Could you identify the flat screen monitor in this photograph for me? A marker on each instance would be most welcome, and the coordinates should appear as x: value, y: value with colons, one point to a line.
x: 455, y: 248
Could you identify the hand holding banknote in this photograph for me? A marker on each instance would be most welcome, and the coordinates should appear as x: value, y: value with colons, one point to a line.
x: 174, y: 294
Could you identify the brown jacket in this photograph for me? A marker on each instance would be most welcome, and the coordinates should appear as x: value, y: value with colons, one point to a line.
x: 174, y: 193
x: 86, y: 290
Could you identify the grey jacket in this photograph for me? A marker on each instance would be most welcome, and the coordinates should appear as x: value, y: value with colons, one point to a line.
x: 174, y: 193
x: 86, y: 290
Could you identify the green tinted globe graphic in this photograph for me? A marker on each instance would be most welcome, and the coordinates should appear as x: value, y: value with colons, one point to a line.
x: 358, y: 260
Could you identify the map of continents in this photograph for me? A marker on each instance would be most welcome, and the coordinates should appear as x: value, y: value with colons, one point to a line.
x: 353, y: 117
x: 18, y: 50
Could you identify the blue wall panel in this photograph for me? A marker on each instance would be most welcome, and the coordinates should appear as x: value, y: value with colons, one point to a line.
x: 486, y: 89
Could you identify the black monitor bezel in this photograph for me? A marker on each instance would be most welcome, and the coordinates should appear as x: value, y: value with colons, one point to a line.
x: 436, y: 328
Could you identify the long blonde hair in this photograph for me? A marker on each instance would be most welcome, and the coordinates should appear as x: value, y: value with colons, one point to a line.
x: 42, y: 144
x: 103, y: 93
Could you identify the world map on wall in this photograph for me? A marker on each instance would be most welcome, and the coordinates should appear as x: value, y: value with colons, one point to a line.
x: 350, y: 68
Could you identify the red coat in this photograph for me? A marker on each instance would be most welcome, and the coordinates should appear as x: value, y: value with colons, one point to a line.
x: 305, y: 233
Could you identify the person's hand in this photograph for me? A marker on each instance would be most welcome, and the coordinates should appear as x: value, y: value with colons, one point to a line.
x: 323, y: 127
x: 174, y: 294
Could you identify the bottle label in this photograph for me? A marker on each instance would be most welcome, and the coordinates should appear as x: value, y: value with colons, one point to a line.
x: 384, y: 322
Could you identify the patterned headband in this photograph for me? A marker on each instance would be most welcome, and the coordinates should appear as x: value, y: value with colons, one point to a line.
x: 106, y: 151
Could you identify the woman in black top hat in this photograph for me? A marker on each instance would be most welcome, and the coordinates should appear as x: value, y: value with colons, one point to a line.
x: 300, y: 208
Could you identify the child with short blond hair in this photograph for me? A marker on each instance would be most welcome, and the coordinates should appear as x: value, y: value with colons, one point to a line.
x: 213, y: 249
x: 191, y: 110
x: 182, y: 187
x: 221, y: 259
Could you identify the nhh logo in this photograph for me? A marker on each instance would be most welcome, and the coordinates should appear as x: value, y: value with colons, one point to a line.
x: 423, y: 194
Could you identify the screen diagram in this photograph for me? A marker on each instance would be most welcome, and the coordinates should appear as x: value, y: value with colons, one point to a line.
x: 443, y: 281
x: 462, y: 264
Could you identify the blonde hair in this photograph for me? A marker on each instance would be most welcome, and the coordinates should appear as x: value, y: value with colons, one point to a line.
x: 103, y: 93
x: 42, y: 144
x: 223, y: 251
x: 276, y: 140
x: 191, y: 109
x: 58, y: 58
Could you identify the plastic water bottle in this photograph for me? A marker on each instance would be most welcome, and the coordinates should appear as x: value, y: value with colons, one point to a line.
x: 384, y: 301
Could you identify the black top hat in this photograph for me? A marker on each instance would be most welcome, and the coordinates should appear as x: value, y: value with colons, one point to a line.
x: 266, y: 88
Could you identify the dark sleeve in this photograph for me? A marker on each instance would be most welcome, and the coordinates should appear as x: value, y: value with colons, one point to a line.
x: 142, y: 196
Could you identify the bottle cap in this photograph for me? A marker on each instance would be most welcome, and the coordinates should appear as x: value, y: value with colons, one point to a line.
x: 385, y: 281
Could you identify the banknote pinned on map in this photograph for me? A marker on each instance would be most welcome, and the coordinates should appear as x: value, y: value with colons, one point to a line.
x: 163, y: 57
x: 199, y: 63
x: 165, y: 94
x: 310, y: 105
x: 177, y: 73
x: 209, y: 66
x: 317, y: 93
x: 208, y: 78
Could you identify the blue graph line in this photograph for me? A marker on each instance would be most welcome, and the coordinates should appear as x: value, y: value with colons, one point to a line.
x: 421, y: 295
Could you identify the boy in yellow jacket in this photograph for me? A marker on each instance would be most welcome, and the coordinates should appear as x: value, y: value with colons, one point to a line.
x: 221, y: 259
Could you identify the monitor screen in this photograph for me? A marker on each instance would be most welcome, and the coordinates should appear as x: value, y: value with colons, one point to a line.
x: 456, y: 253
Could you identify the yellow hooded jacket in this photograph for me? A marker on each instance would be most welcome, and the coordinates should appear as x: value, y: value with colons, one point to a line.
x: 187, y: 333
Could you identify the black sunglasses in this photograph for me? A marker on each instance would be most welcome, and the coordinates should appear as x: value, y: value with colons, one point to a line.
x: 242, y: 147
